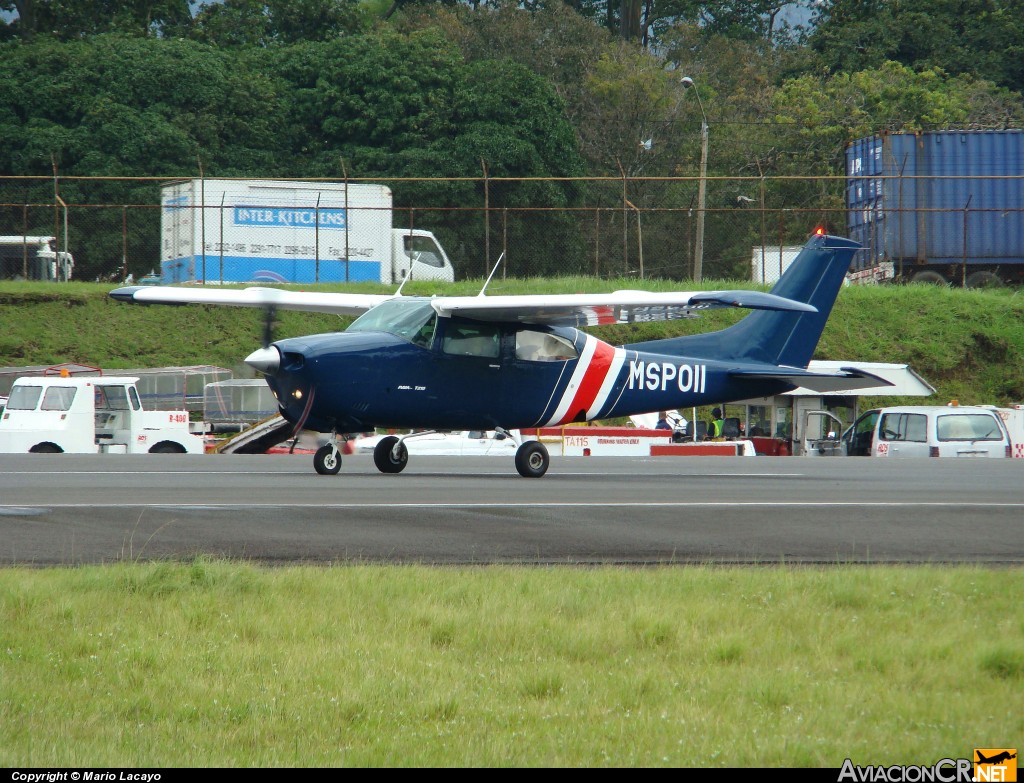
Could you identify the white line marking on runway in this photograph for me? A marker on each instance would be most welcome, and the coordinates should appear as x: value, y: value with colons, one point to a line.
x: 553, y: 504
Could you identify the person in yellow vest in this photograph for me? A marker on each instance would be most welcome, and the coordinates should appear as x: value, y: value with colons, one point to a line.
x: 717, y: 423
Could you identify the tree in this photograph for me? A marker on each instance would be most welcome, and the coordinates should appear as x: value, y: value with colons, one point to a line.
x: 981, y: 37
x: 70, y: 19
x: 267, y: 22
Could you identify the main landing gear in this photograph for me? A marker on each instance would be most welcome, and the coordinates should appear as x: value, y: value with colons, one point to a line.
x: 391, y: 455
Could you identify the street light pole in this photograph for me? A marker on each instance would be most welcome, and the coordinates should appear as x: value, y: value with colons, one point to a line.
x: 698, y: 251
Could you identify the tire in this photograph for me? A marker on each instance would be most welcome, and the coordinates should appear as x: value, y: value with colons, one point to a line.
x: 390, y: 455
x: 532, y: 459
x: 327, y: 460
x: 984, y: 279
x: 166, y: 447
x: 929, y: 277
x: 46, y: 448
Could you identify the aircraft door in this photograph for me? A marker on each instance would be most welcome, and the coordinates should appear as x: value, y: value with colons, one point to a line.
x: 473, y: 366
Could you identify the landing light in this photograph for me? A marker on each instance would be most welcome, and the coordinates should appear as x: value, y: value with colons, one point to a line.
x: 297, y: 394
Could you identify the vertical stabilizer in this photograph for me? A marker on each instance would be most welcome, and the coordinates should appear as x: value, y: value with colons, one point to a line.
x: 778, y: 337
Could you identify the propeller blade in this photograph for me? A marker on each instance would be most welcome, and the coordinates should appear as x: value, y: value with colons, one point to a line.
x: 269, y: 322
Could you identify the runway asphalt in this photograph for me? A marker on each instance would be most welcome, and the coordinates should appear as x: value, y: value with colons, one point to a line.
x: 73, y: 509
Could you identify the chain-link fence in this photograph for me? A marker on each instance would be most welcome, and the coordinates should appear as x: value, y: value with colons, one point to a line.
x: 631, y: 227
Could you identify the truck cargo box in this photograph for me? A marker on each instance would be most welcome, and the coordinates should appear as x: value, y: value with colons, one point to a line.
x: 947, y: 203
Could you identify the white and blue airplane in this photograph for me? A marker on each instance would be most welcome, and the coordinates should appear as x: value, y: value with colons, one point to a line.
x: 515, y: 362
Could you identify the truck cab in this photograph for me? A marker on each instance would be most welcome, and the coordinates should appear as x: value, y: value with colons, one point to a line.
x: 419, y: 254
x: 89, y: 416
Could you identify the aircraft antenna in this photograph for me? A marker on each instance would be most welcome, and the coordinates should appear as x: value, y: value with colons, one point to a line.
x: 402, y: 285
x: 496, y: 265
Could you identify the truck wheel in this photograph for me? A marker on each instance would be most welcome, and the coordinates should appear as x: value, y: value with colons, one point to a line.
x: 929, y: 277
x: 46, y: 448
x: 390, y: 456
x: 327, y: 460
x: 166, y: 447
x: 532, y: 459
x: 984, y: 279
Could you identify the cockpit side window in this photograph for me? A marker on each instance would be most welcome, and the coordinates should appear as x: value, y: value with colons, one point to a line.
x: 472, y: 339
x: 543, y: 347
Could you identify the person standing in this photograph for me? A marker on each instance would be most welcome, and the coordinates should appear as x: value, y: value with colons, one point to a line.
x: 717, y: 423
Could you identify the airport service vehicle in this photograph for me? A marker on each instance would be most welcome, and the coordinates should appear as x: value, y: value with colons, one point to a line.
x: 34, y: 258
x: 282, y: 231
x: 928, y: 431
x: 88, y: 416
x: 515, y: 362
x: 941, y: 207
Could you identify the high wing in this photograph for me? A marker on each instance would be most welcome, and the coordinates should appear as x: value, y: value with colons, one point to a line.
x: 307, y: 301
x: 617, y: 307
x: 554, y: 310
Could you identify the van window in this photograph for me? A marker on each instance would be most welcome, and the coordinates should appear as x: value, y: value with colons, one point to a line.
x: 904, y: 427
x: 58, y: 398
x: 968, y: 426
x: 24, y: 398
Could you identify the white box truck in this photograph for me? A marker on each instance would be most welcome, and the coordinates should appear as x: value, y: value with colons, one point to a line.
x: 34, y: 258
x: 102, y: 415
x: 221, y: 230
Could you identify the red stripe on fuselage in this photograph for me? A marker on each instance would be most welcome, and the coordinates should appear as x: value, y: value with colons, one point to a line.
x: 592, y: 380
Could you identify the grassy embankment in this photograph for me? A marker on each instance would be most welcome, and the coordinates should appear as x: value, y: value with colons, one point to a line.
x: 968, y: 344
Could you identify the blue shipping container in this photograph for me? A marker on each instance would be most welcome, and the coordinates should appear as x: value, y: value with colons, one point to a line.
x: 945, y: 202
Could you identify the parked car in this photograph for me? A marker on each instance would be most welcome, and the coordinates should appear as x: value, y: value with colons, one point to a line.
x: 483, y: 443
x: 927, y: 431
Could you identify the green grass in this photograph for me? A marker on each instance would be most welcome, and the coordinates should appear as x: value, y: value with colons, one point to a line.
x: 228, y: 664
x: 969, y: 344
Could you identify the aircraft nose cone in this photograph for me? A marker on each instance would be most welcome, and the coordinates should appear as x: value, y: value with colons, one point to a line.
x: 265, y: 360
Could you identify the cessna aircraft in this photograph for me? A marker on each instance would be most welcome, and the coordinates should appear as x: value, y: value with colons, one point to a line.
x: 514, y: 362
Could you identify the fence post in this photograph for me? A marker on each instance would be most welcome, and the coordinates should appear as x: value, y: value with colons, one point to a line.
x: 487, y: 220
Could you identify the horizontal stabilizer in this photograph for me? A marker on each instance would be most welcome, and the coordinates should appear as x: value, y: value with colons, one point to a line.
x: 843, y: 380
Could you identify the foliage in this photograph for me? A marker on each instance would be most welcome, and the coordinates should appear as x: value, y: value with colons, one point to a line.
x: 980, y: 37
x: 829, y: 113
x: 270, y: 22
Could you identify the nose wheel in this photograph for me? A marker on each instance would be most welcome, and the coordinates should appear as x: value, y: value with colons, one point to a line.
x: 327, y: 460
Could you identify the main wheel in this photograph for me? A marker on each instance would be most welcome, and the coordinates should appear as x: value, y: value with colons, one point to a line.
x: 929, y: 277
x: 327, y: 460
x: 390, y: 455
x: 983, y: 279
x: 532, y: 459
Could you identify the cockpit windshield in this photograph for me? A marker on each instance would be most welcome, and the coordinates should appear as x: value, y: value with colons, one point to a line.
x: 411, y: 319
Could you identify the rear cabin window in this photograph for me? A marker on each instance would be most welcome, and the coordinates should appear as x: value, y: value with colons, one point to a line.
x: 911, y: 427
x: 58, y: 398
x: 968, y: 426
x: 24, y: 398
x: 543, y: 347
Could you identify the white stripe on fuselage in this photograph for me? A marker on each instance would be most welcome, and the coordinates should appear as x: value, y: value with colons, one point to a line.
x: 589, y: 346
x: 609, y: 382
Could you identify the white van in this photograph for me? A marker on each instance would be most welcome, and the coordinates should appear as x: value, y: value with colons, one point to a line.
x: 928, y: 431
